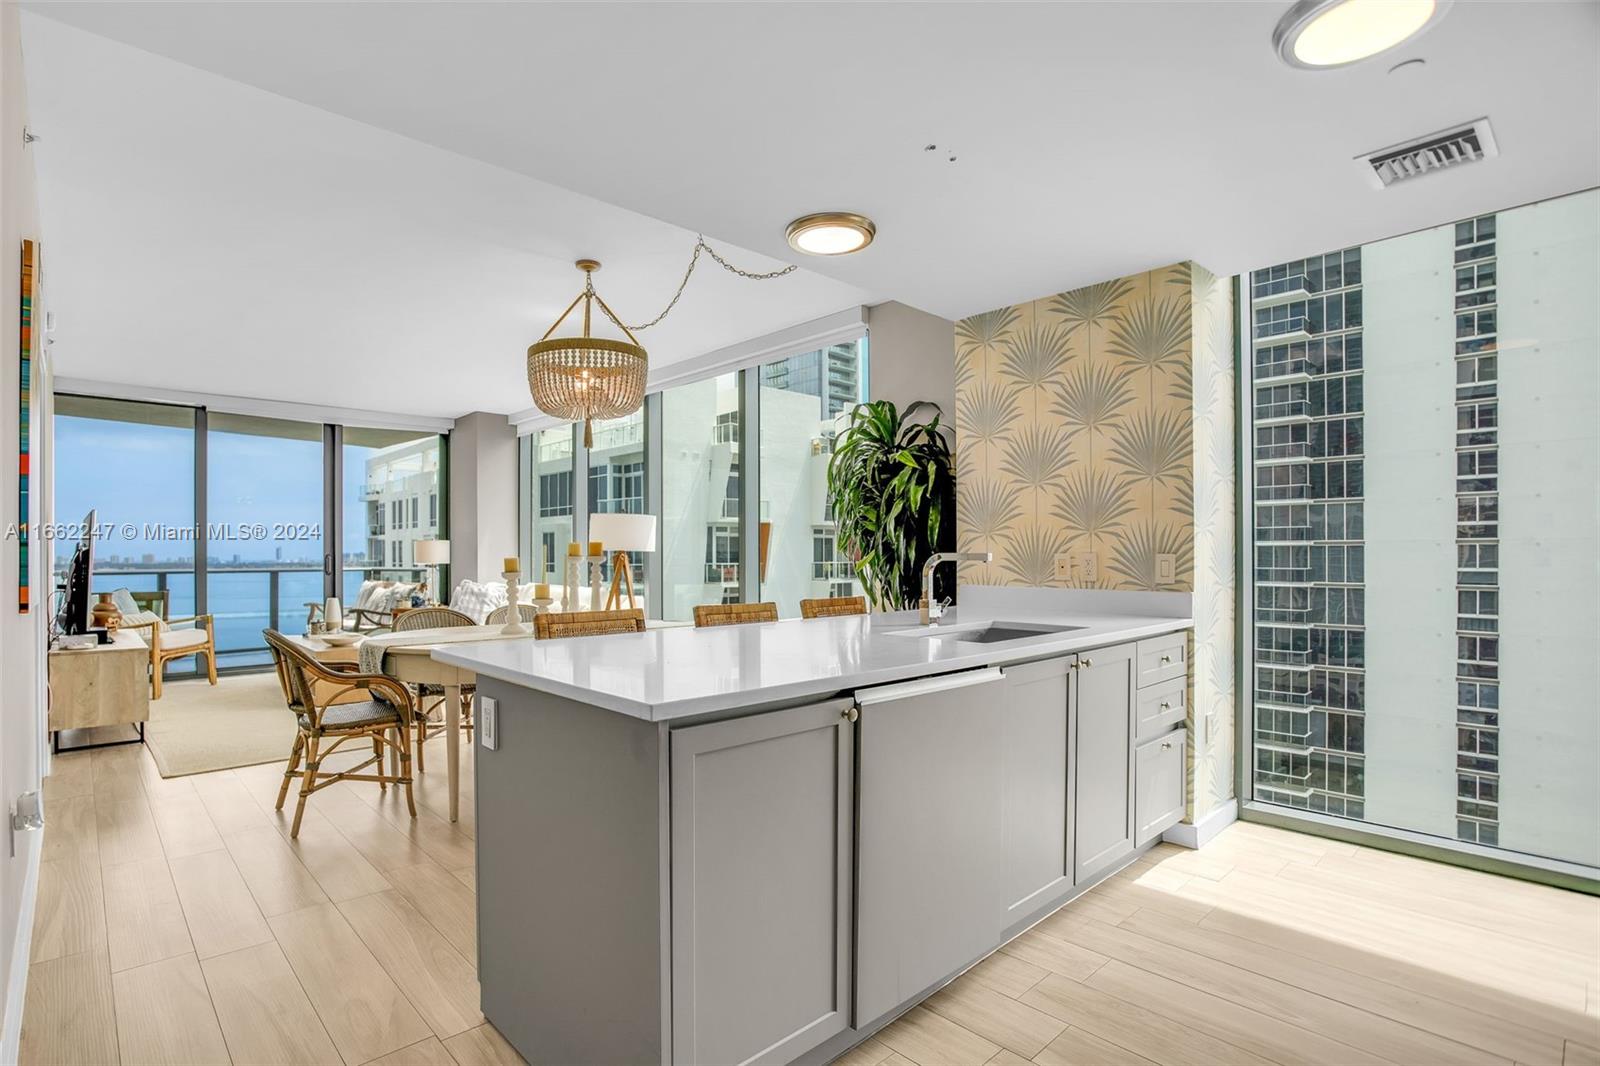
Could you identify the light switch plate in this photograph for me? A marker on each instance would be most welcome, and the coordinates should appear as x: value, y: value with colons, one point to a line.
x: 1166, y: 568
x: 488, y: 722
x: 1063, y: 568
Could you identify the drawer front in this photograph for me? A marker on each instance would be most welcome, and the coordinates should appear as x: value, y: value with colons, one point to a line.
x: 1163, y: 658
x: 1158, y: 785
x: 1160, y: 707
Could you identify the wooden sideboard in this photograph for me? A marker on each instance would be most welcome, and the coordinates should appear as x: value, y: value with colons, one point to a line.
x: 108, y: 684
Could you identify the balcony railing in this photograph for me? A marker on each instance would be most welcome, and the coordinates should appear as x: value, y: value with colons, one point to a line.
x: 1296, y: 325
x: 244, y: 600
x: 836, y: 570
x: 1293, y: 285
x: 722, y: 573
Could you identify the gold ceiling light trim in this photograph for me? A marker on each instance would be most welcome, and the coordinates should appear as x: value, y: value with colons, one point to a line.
x: 587, y: 377
x: 831, y: 233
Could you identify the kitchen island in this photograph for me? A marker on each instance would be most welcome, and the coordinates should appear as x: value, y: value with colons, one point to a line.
x: 761, y: 843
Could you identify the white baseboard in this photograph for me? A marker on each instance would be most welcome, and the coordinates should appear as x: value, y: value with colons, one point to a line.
x: 21, y: 949
x: 1197, y: 835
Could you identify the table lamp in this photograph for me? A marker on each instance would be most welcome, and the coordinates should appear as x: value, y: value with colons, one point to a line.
x: 432, y: 554
x: 623, y: 533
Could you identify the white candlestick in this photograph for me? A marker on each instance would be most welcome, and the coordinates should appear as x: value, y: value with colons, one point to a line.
x: 513, y: 626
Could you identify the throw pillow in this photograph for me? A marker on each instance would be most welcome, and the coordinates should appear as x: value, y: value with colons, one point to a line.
x: 123, y: 600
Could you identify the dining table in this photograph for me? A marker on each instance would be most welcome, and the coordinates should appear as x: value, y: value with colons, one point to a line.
x: 408, y: 657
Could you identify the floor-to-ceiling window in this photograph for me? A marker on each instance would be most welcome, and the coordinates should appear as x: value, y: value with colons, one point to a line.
x: 616, y: 476
x: 547, y: 501
x: 243, y: 510
x: 133, y: 464
x: 1424, y: 532
x: 806, y: 402
x: 392, y: 498
x: 264, y: 549
x: 699, y: 539
x: 737, y: 464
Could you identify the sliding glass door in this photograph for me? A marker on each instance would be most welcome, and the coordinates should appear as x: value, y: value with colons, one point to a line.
x: 264, y: 545
x: 1426, y: 472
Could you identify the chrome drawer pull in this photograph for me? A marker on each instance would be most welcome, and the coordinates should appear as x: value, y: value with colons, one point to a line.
x: 1166, y: 658
x: 1166, y: 745
x: 1165, y: 706
x: 1087, y: 664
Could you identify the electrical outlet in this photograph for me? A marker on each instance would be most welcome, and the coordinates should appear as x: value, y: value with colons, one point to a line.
x: 1166, y: 569
x: 1089, y: 566
x: 1063, y: 568
x: 488, y: 724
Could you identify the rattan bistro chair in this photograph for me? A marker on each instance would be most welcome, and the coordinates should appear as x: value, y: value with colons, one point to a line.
x: 733, y: 614
x: 833, y: 607
x: 548, y: 626
x: 435, y: 618
x: 385, y: 721
x: 526, y: 612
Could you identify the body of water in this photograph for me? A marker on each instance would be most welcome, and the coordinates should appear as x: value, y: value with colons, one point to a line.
x: 240, y: 604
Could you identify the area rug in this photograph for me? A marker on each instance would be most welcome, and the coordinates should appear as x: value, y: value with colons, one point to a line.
x: 196, y: 727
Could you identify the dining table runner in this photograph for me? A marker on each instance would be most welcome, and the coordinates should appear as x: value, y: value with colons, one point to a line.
x: 370, y: 653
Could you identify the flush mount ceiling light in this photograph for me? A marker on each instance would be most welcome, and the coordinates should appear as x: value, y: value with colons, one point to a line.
x: 1318, y: 34
x: 589, y: 377
x: 831, y: 233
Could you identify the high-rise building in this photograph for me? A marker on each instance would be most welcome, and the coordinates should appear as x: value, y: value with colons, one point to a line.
x: 1310, y: 724
x: 1425, y: 461
x: 831, y: 374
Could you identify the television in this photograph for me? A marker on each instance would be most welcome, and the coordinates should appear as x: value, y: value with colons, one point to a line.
x: 73, y: 618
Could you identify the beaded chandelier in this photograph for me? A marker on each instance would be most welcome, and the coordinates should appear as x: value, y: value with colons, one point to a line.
x: 587, y: 377
x: 593, y: 377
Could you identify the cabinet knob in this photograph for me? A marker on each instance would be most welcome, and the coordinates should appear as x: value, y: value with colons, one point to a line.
x: 850, y: 714
x: 1087, y: 664
x: 1166, y: 705
x: 1166, y: 658
x: 1166, y: 745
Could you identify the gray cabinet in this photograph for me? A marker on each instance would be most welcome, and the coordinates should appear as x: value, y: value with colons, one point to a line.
x: 1103, y: 699
x: 928, y: 895
x: 1037, y: 857
x: 761, y: 895
x: 1158, y: 785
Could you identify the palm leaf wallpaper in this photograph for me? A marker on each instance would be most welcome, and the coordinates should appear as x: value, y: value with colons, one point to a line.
x: 1101, y: 420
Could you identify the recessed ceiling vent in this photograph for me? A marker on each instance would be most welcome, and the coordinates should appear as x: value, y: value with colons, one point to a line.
x: 1454, y: 147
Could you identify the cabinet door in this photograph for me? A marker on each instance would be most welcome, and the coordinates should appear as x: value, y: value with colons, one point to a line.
x: 1034, y: 801
x: 1103, y: 692
x: 928, y: 899
x: 1158, y: 785
x: 761, y: 858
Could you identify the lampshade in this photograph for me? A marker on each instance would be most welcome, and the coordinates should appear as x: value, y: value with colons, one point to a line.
x: 431, y: 552
x: 624, y: 532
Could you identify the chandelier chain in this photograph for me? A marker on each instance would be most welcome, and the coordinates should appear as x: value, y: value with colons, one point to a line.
x: 700, y: 245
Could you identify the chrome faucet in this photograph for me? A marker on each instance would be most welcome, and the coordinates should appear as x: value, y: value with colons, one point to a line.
x: 929, y: 612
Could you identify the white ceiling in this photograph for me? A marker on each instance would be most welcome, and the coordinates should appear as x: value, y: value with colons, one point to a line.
x: 204, y: 235
x: 1093, y: 139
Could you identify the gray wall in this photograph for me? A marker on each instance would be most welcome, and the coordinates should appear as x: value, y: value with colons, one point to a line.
x: 483, y: 495
x: 912, y: 357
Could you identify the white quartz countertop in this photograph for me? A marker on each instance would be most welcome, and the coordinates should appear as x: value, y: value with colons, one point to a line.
x: 674, y: 673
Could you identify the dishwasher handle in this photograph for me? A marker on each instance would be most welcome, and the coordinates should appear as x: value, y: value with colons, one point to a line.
x: 925, y: 685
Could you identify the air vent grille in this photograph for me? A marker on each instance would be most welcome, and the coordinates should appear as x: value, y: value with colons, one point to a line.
x: 1471, y: 142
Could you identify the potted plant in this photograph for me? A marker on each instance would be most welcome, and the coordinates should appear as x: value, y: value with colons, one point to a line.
x: 892, y: 484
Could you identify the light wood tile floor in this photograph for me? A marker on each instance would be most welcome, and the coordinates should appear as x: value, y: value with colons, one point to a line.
x: 176, y: 922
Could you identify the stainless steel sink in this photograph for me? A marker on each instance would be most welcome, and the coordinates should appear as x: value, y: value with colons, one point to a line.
x: 999, y: 632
